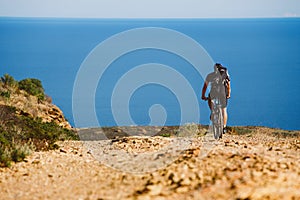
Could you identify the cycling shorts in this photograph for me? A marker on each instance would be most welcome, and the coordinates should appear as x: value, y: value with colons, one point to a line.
x: 223, y: 99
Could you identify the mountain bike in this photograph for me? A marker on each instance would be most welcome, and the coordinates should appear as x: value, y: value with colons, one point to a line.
x: 216, y: 118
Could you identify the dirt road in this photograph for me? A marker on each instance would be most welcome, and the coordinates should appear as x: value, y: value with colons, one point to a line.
x: 258, y: 164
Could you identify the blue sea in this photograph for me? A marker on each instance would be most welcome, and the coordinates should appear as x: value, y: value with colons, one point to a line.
x: 262, y: 57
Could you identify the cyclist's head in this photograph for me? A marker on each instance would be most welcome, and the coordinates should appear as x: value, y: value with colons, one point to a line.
x: 217, y: 66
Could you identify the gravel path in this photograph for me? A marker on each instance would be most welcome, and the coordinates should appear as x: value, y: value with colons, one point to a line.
x: 256, y: 165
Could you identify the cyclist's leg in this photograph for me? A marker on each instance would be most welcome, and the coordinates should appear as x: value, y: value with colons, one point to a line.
x: 209, y: 101
x: 224, y: 111
x: 225, y: 116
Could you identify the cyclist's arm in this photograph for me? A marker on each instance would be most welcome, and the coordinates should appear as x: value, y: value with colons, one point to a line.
x: 204, y: 90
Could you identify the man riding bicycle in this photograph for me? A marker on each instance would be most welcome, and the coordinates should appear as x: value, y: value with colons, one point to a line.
x: 220, y: 88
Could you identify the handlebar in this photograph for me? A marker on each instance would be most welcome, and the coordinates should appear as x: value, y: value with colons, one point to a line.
x: 207, y: 98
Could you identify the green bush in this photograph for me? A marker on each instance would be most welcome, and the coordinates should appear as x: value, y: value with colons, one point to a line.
x: 13, y: 152
x: 9, y: 80
x: 5, y: 94
x: 5, y: 157
x: 166, y: 135
x: 33, y: 87
x: 19, y: 152
x: 21, y: 134
x: 4, y: 140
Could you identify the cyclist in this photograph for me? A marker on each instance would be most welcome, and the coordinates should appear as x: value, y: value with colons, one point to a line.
x: 219, y: 81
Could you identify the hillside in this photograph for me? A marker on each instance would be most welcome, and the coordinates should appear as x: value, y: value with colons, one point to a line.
x: 28, y: 120
x: 29, y: 99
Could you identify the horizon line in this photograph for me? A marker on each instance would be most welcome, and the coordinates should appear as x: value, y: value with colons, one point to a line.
x: 148, y: 18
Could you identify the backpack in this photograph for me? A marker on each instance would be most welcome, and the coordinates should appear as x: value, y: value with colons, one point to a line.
x: 224, y: 78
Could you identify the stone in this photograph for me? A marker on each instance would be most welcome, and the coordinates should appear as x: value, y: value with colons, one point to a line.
x: 154, y: 189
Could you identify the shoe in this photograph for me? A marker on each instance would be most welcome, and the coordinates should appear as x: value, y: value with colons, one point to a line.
x: 221, y: 135
x: 224, y: 130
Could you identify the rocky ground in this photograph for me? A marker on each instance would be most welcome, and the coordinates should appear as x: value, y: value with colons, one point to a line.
x: 248, y: 163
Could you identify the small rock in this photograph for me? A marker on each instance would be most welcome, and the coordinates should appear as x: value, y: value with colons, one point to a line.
x: 270, y: 149
x: 247, y: 157
x: 186, y: 181
x: 35, y: 162
x: 154, y: 189
x: 244, y: 193
x: 283, y: 166
x: 63, y: 151
x: 182, y: 189
x: 278, y: 149
x: 144, y: 197
x: 176, y: 178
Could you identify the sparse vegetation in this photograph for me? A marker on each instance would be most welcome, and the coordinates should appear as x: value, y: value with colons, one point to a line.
x: 8, y: 80
x: 240, y: 130
x: 166, y: 135
x: 285, y: 134
x: 5, y: 94
x: 188, y: 130
x: 33, y: 87
x: 20, y: 133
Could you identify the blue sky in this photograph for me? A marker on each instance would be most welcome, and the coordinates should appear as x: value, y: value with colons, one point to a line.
x: 150, y: 8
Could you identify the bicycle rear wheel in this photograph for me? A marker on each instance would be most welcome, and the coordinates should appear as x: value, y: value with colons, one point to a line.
x: 217, y: 123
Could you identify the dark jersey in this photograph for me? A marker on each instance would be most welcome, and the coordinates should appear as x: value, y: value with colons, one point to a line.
x: 218, y: 81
